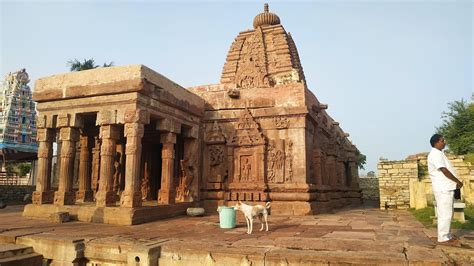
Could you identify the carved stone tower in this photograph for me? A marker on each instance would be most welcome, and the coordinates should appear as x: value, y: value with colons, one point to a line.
x: 281, y: 144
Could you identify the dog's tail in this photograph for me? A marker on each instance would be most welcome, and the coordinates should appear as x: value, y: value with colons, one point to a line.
x: 267, y: 205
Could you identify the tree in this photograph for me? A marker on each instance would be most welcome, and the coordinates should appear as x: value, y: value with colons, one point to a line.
x: 76, y: 65
x: 361, y: 160
x: 458, y: 127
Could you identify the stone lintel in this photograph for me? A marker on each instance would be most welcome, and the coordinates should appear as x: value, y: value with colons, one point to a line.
x: 168, y: 125
x: 137, y: 116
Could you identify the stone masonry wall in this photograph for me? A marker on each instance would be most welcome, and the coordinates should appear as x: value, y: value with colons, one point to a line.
x: 370, y: 188
x: 394, y: 179
x: 406, y: 184
x: 15, y: 193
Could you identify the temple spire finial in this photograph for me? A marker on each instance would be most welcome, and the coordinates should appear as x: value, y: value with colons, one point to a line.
x: 265, y: 7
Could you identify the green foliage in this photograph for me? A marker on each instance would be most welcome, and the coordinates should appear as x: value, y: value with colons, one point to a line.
x: 458, y: 127
x: 424, y: 216
x: 23, y: 168
x: 422, y: 170
x: 469, y: 158
x: 361, y: 159
x: 76, y: 65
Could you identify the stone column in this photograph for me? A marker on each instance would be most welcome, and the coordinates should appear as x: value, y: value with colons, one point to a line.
x: 132, y: 196
x: 95, y: 164
x: 85, y: 192
x: 109, y: 135
x: 43, y: 193
x: 167, y: 190
x: 68, y: 137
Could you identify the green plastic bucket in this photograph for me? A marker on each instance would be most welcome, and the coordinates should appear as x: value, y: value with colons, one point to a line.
x: 226, y: 217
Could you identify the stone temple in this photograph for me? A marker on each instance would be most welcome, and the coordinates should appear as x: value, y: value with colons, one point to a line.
x: 17, y: 115
x: 148, y: 148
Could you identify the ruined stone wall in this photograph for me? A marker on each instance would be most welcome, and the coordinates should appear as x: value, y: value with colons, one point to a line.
x: 406, y: 184
x: 370, y: 188
x: 15, y: 193
x: 394, y: 178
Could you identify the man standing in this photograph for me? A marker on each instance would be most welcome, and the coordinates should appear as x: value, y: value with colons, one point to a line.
x: 444, y: 182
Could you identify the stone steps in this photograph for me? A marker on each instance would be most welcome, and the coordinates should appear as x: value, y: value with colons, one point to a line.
x: 11, y: 254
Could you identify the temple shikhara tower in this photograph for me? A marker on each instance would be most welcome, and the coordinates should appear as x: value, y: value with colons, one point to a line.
x: 276, y: 140
x: 17, y: 114
x: 149, y: 148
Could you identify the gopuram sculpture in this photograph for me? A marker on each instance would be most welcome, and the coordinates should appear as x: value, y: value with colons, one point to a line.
x: 17, y: 114
x: 259, y: 135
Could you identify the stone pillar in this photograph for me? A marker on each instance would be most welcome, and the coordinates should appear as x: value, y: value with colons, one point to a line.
x: 167, y: 190
x: 132, y: 196
x: 85, y: 192
x: 95, y: 164
x: 68, y: 137
x: 43, y: 193
x: 109, y: 135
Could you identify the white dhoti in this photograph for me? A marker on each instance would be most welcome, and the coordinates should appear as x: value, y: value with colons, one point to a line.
x: 444, y: 205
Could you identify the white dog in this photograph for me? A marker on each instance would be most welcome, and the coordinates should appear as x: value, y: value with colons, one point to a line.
x: 250, y: 212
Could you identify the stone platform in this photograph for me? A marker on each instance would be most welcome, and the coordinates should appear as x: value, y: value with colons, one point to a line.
x: 350, y: 236
x: 110, y: 215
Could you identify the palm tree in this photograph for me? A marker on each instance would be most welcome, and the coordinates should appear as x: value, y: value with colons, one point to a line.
x: 76, y: 65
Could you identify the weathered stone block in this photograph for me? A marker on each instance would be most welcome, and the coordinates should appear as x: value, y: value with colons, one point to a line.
x: 195, y: 211
x: 59, y: 217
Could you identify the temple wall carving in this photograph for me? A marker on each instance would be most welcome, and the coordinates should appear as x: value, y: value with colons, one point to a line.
x: 136, y: 137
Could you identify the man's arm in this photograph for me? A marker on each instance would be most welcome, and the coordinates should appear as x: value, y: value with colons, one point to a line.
x: 450, y: 175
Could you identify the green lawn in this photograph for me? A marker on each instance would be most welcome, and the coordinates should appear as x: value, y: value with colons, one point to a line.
x: 424, y: 216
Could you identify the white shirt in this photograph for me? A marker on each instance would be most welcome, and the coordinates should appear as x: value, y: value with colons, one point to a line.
x: 436, y: 160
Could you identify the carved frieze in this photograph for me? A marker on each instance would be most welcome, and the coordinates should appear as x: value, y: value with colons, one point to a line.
x: 252, y: 69
x: 214, y: 134
x: 276, y: 161
x: 247, y: 132
x: 281, y: 122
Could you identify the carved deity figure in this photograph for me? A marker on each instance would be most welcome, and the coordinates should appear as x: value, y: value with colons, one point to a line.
x: 145, y: 185
x: 245, y: 170
x: 117, y: 167
x: 216, y: 155
x: 183, y: 190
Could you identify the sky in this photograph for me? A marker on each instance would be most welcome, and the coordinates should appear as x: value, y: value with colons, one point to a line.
x: 387, y: 69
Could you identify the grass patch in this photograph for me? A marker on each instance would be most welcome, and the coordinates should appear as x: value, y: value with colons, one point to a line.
x: 469, y: 157
x: 424, y: 216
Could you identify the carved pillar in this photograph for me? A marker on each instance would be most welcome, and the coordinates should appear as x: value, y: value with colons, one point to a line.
x: 68, y: 137
x: 43, y: 193
x: 85, y: 192
x: 95, y: 164
x: 132, y: 196
x: 109, y: 135
x: 167, y: 190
